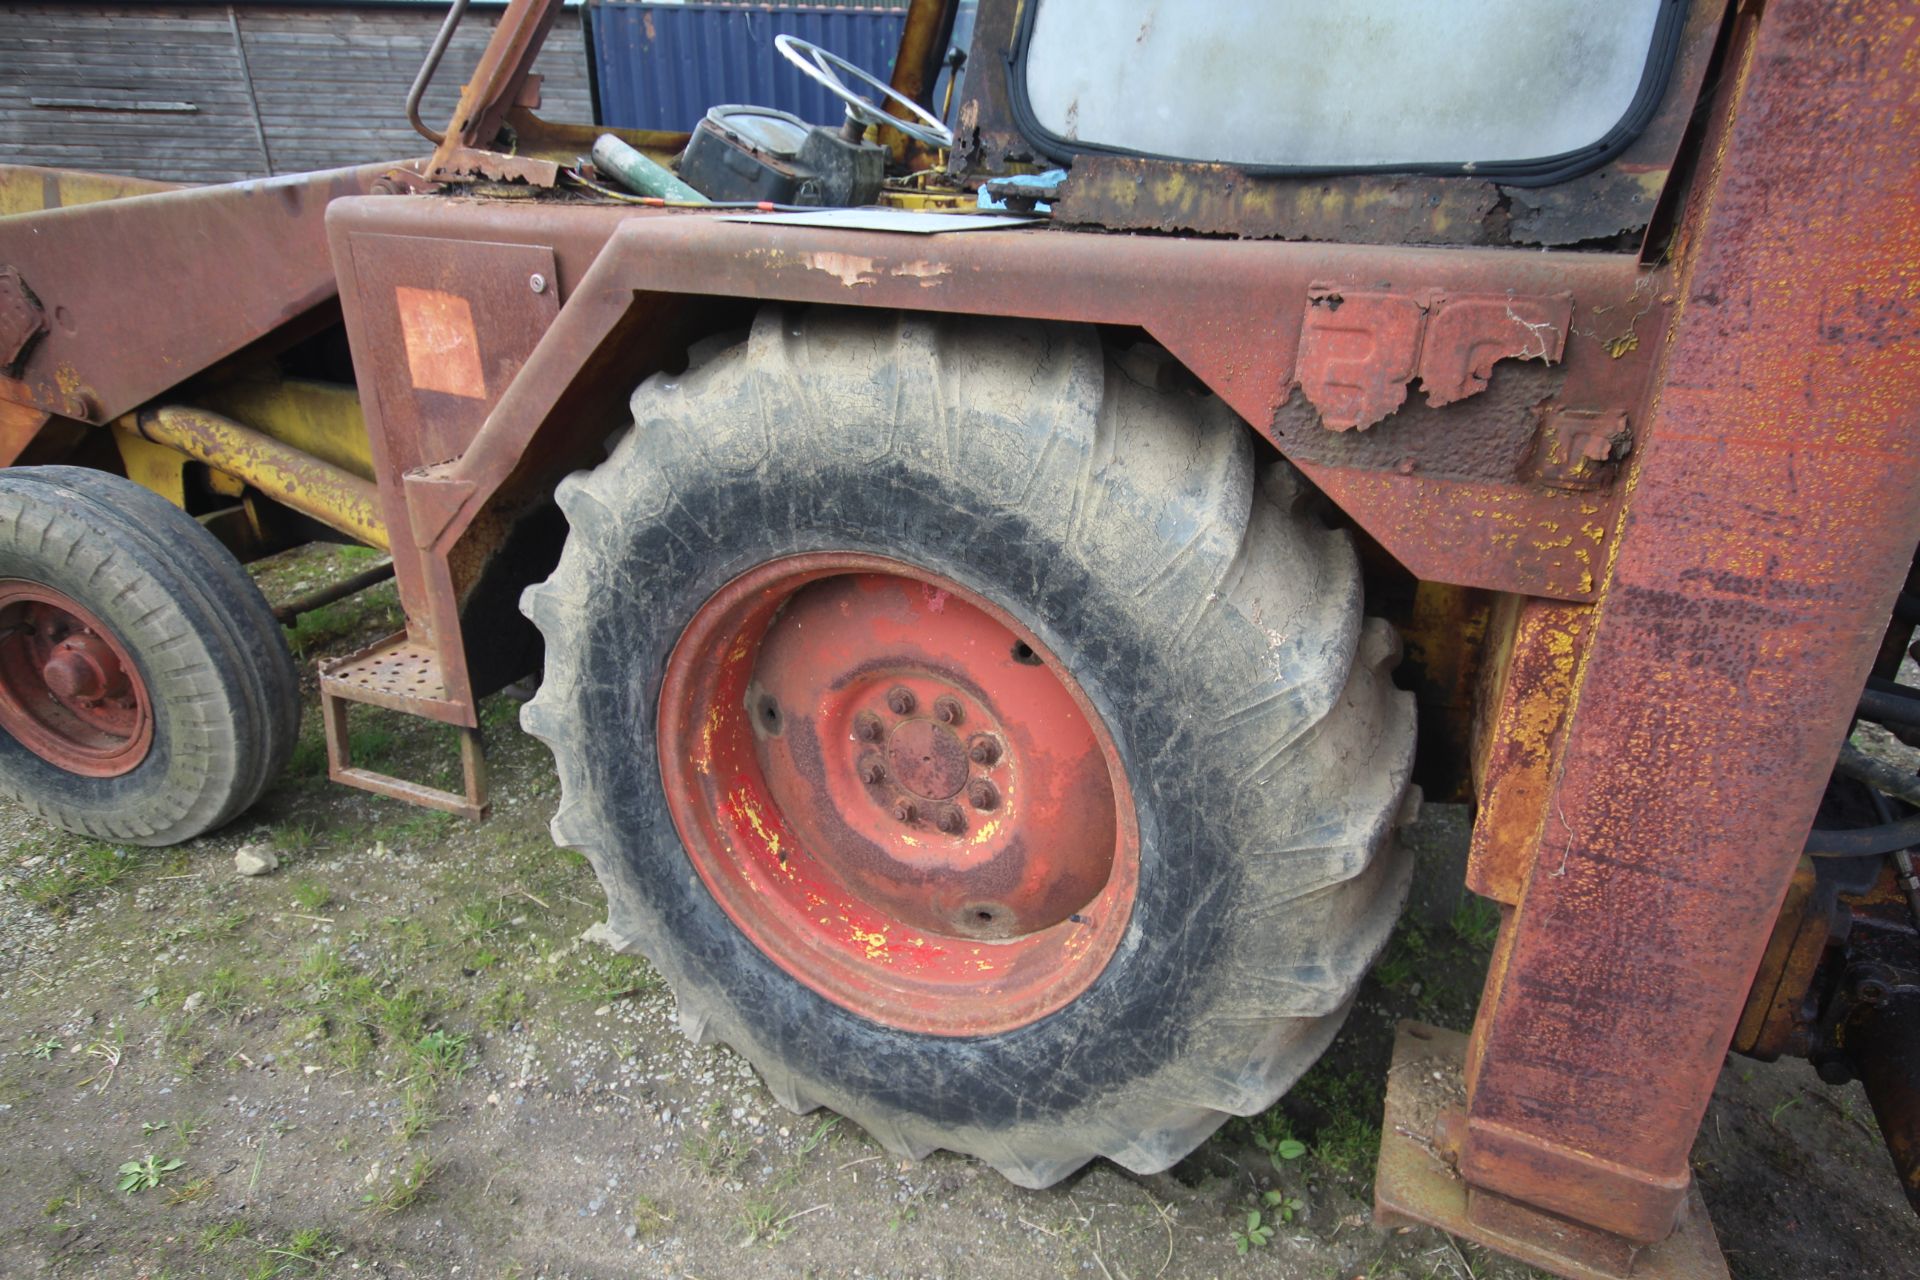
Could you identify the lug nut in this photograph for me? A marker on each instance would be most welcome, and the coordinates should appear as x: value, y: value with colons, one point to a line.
x: 873, y: 773
x: 951, y: 820
x: 900, y: 700
x: 903, y: 811
x: 947, y: 710
x: 867, y: 728
x: 982, y: 794
x: 984, y: 749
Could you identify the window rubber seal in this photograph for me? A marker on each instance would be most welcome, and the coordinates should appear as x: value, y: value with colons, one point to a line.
x: 1544, y: 171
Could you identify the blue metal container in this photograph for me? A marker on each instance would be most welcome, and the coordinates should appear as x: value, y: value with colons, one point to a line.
x: 660, y: 66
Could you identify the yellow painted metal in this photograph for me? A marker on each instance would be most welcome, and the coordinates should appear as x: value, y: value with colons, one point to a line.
x: 152, y: 466
x: 29, y: 189
x: 322, y: 419
x: 295, y: 479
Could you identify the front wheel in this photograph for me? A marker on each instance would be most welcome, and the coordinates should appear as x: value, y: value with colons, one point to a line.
x: 970, y: 741
x: 146, y: 692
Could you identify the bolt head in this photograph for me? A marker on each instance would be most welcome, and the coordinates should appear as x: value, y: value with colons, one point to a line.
x: 537, y: 282
x: 983, y: 795
x: 873, y: 773
x: 904, y: 811
x: 947, y: 710
x: 984, y: 749
x: 900, y: 700
x: 868, y: 728
x: 951, y: 820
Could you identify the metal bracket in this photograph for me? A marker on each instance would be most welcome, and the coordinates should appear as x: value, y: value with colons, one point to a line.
x: 1417, y: 1184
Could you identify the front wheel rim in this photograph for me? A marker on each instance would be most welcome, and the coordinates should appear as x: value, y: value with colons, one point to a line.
x: 69, y: 691
x: 898, y: 793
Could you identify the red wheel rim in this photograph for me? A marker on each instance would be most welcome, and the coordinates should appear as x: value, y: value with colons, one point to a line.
x: 898, y: 794
x: 68, y: 691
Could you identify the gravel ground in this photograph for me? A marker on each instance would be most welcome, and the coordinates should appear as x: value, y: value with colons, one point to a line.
x: 401, y: 1053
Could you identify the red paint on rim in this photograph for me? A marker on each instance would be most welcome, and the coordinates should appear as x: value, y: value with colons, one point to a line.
x: 69, y: 693
x: 898, y: 793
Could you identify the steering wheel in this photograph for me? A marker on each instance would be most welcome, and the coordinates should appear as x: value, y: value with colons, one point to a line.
x: 824, y: 69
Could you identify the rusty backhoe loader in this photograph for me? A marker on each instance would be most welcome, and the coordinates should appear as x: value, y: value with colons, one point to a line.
x: 988, y: 558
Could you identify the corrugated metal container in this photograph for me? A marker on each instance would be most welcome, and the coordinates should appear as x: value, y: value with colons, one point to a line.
x: 660, y: 66
x: 205, y: 93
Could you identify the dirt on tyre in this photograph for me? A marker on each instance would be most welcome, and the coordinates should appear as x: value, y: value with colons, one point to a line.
x: 146, y: 693
x: 970, y: 739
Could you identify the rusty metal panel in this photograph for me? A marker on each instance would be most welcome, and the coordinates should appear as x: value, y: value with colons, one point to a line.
x: 1232, y: 311
x: 1771, y: 521
x: 147, y: 291
x: 1528, y: 698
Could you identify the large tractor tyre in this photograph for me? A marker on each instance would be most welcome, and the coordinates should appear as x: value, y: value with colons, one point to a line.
x: 969, y: 741
x: 146, y: 692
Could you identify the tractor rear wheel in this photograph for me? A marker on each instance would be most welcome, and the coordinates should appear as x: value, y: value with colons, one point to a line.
x: 146, y: 692
x: 970, y: 740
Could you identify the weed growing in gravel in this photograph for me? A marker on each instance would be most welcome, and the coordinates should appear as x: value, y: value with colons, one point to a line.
x: 718, y: 1155
x: 220, y: 1233
x: 417, y: 1112
x: 406, y: 1190
x: 147, y: 1173
x: 442, y: 1054
x: 612, y: 977
x: 1406, y: 955
x: 768, y: 1222
x: 650, y: 1216
x: 503, y: 1008
x: 57, y: 888
x: 310, y: 895
x: 1476, y: 922
x: 304, y: 1253
x: 45, y: 1049
x: 223, y: 994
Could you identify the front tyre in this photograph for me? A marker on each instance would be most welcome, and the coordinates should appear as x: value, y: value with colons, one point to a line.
x: 146, y: 692
x: 970, y: 741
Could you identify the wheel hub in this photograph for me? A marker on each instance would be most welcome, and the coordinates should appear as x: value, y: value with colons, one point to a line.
x: 897, y: 794
x: 68, y: 691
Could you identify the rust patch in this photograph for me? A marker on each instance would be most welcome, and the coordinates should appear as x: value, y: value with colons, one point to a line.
x: 443, y: 350
x: 1360, y: 348
x: 22, y: 319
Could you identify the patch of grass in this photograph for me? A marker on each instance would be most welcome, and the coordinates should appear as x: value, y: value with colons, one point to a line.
x: 650, y: 1216
x: 296, y: 837
x: 1348, y: 1144
x: 191, y: 1191
x: 1406, y: 956
x: 303, y: 1254
x: 718, y: 1155
x: 441, y: 1054
x: 605, y: 977
x: 405, y: 1190
x: 223, y: 992
x: 481, y: 918
x: 819, y: 1135
x: 219, y: 1233
x: 1476, y: 922
x: 417, y: 1112
x: 309, y: 758
x: 310, y: 895
x: 765, y: 1222
x: 502, y: 1008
